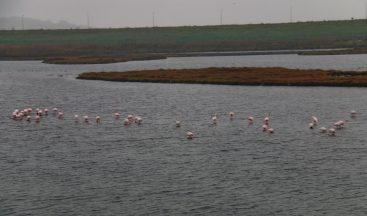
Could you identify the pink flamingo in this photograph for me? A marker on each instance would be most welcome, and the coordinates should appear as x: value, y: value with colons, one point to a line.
x: 61, y: 115
x: 250, y: 120
x: 138, y: 120
x: 231, y: 115
x: 76, y: 118
x: 353, y: 113
x: 331, y: 131
x: 55, y: 111
x: 131, y: 118
x: 323, y: 130
x: 190, y: 135
x: 86, y: 119
x: 266, y: 120
x: 215, y: 119
x: 127, y: 122
x: 178, y: 124
x: 314, y: 120
x: 339, y: 124
x: 117, y: 115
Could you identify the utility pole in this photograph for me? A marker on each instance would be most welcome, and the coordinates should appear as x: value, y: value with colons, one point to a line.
x: 88, y: 21
x: 153, y: 19
x: 22, y: 22
x: 221, y: 16
x: 291, y: 13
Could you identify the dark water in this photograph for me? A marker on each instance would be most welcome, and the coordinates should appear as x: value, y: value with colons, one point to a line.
x: 58, y: 167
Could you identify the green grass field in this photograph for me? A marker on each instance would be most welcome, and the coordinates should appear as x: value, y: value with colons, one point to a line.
x: 346, y: 30
x: 41, y: 44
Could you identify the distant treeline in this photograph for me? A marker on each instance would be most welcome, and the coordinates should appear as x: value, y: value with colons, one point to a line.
x: 41, y: 44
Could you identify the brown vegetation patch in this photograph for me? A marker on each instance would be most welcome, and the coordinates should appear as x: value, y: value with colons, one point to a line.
x: 237, y: 76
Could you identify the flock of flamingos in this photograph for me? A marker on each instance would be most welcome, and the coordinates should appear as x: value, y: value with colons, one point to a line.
x: 26, y: 114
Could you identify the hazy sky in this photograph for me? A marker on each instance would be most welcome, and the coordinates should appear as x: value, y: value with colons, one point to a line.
x: 131, y: 13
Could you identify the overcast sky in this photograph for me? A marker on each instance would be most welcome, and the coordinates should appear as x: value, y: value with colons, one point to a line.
x: 137, y: 13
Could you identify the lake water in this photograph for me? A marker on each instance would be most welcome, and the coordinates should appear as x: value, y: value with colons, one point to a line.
x: 57, y: 167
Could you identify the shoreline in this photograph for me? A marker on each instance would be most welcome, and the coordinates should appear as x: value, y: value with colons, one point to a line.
x: 247, y: 76
x: 100, y: 59
x: 73, y: 60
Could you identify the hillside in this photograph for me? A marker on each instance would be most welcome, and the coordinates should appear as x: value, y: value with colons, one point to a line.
x: 16, y: 23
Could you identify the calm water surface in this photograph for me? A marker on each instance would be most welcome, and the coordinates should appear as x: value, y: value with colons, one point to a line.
x: 58, y: 167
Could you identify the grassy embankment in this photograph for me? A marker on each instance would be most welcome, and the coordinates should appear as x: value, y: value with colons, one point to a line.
x: 237, y: 76
x: 102, y: 59
x: 111, y: 45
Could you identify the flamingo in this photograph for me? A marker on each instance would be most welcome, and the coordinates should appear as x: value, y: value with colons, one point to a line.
x: 55, y: 110
x: 98, y: 119
x: 40, y: 113
x: 331, y: 131
x: 117, y: 115
x: 271, y: 130
x: 215, y: 119
x: 14, y: 115
x: 266, y: 120
x: 38, y: 119
x: 61, y: 115
x: 138, y: 120
x: 339, y: 124
x: 189, y: 135
x: 127, y: 122
x: 20, y: 116
x: 178, y: 124
x: 314, y: 120
x: 76, y: 118
x: 265, y: 127
x: 131, y: 118
x: 311, y: 125
x: 323, y: 130
x: 353, y: 113
x: 231, y: 115
x: 86, y: 119
x: 250, y: 120
x: 29, y: 118
x: 45, y: 111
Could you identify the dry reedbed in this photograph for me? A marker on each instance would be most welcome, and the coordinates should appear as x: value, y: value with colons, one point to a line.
x: 237, y: 76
